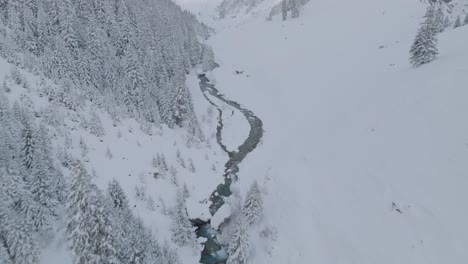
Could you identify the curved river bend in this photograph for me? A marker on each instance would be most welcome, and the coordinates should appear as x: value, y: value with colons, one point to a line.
x: 213, y: 252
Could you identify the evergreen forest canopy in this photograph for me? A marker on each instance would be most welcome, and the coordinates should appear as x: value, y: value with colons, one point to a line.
x: 129, y: 57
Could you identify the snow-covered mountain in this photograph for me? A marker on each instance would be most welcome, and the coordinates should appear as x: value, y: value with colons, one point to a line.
x: 313, y: 141
x: 363, y: 159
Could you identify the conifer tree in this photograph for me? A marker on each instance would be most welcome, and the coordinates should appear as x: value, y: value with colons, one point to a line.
x: 182, y: 230
x: 95, y: 125
x: 109, y: 153
x: 28, y: 142
x: 458, y: 23
x: 424, y: 48
x: 465, y: 22
x: 191, y: 166
x: 4, y: 256
x: 284, y: 9
x: 294, y: 8
x: 21, y: 243
x: 17, y: 236
x: 169, y: 255
x: 253, y: 206
x: 88, y: 223
x: 239, y: 246
x: 117, y: 195
x: 439, y: 19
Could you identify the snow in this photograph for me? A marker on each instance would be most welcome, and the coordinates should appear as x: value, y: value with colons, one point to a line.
x: 132, y: 151
x: 197, y: 210
x: 235, y: 126
x: 352, y: 128
x: 363, y: 158
x: 223, y: 213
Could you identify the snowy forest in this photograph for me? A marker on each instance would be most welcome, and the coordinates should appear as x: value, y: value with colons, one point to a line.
x: 129, y: 57
x: 233, y: 131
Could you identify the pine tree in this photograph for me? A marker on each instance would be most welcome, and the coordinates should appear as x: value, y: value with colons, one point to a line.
x: 191, y: 166
x: 458, y: 23
x: 439, y: 19
x: 169, y: 255
x: 424, y: 48
x: 4, y: 256
x: 284, y: 9
x: 163, y: 163
x: 12, y: 188
x: 208, y: 63
x: 239, y: 246
x: 84, y: 149
x: 253, y: 206
x: 109, y: 153
x: 180, y: 159
x: 21, y: 243
x: 117, y: 194
x: 155, y: 162
x: 174, y: 179
x: 185, y: 192
x: 182, y: 230
x: 465, y: 22
x: 47, y: 183
x: 95, y: 125
x: 27, y: 144
x: 17, y: 236
x: 154, y: 254
x: 88, y: 223
x: 294, y: 8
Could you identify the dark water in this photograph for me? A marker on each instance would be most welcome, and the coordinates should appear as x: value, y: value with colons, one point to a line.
x: 213, y: 252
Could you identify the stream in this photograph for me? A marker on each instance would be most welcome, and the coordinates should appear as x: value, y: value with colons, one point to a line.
x: 214, y: 252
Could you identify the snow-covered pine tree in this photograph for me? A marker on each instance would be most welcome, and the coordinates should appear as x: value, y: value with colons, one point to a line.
x: 16, y: 234
x: 424, y: 48
x: 95, y: 125
x: 12, y: 186
x: 294, y: 8
x: 28, y: 142
x: 439, y: 19
x: 284, y: 9
x: 182, y: 230
x: 239, y: 246
x: 173, y: 172
x: 150, y: 203
x: 154, y: 254
x: 20, y: 241
x: 155, y: 162
x: 109, y: 153
x: 4, y: 256
x: 169, y: 255
x: 208, y: 62
x: 253, y: 207
x: 458, y: 22
x: 117, y: 195
x: 185, y: 192
x: 42, y: 191
x: 180, y: 159
x: 191, y: 166
x: 84, y: 149
x: 88, y: 225
x: 163, y: 162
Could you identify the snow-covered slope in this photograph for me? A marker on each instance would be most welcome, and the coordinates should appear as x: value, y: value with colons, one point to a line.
x: 123, y: 152
x: 364, y: 157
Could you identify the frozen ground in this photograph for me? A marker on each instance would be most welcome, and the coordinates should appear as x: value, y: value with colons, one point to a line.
x: 364, y: 157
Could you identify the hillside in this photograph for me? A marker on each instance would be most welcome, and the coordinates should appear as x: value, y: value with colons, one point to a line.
x: 363, y: 159
x: 249, y: 132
